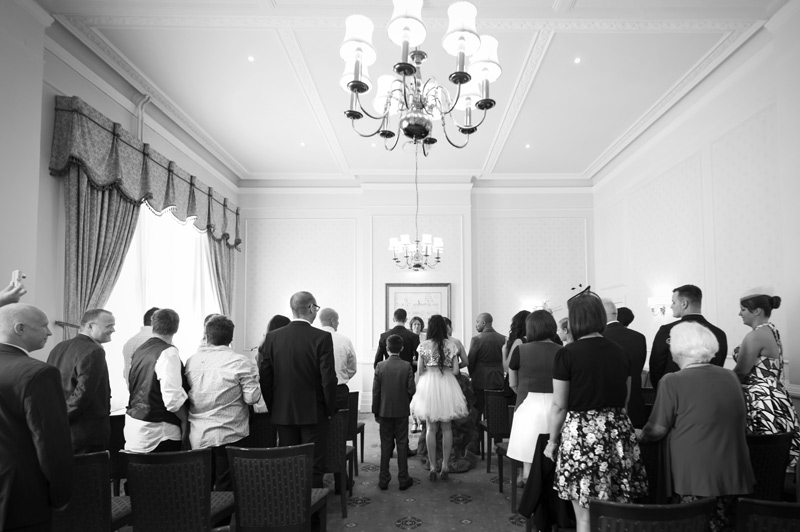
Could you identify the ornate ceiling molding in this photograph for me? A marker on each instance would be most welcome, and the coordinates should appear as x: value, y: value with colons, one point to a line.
x: 724, y: 48
x: 523, y: 87
x: 87, y: 33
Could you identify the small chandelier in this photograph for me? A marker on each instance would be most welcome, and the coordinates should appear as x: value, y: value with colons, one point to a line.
x: 421, y: 254
x: 416, y: 103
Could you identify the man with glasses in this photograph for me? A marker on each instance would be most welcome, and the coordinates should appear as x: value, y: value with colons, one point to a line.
x: 298, y: 380
x: 84, y: 377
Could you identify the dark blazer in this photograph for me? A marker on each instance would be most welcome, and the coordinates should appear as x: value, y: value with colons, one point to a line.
x: 84, y: 377
x: 661, y: 361
x: 298, y: 376
x: 635, y: 346
x: 393, y: 388
x: 35, y: 450
x: 410, y: 344
x: 486, y: 360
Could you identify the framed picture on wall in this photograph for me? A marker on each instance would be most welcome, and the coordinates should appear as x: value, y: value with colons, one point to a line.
x: 418, y: 299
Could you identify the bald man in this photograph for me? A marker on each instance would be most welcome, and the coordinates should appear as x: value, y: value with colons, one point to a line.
x: 343, y: 353
x: 635, y: 346
x: 35, y: 471
x: 485, y: 359
x: 298, y: 380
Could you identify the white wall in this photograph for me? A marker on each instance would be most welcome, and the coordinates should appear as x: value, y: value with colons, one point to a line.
x: 704, y: 200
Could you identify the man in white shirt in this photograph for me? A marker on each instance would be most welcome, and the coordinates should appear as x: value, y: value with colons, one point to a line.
x: 343, y: 354
x: 221, y: 385
x: 155, y: 415
x: 137, y: 340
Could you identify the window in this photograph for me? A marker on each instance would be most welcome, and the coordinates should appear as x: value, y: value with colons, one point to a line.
x: 167, y: 266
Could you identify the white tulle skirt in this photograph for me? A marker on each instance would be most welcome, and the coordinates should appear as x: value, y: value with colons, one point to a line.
x: 530, y: 419
x: 438, y: 397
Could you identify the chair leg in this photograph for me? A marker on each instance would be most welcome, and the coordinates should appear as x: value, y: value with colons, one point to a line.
x: 488, y: 452
x: 323, y: 517
x: 355, y: 456
x: 362, y: 446
x: 343, y: 488
x: 500, y: 471
x: 351, y: 466
x: 480, y: 441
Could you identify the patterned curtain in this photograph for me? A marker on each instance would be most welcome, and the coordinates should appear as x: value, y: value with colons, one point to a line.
x: 108, y: 174
x: 100, y: 227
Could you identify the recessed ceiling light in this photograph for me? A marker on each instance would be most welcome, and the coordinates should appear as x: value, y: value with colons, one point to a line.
x: 373, y: 144
x: 302, y: 144
x: 577, y: 60
x: 527, y: 146
x: 251, y: 58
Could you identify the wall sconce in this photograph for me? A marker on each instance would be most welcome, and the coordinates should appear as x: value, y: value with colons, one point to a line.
x: 658, y: 305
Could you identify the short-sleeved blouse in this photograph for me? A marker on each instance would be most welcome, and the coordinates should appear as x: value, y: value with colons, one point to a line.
x: 597, y: 370
x: 430, y: 353
x: 703, y: 408
x: 533, y: 363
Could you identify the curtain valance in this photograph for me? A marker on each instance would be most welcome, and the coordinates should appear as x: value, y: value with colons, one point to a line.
x: 110, y: 157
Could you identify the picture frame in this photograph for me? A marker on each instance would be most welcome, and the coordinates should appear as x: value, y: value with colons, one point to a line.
x: 418, y: 299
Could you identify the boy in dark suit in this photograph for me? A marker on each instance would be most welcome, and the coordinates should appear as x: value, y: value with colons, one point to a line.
x: 392, y: 390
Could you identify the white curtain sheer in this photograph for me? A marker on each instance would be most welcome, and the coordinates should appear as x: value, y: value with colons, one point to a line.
x: 167, y: 266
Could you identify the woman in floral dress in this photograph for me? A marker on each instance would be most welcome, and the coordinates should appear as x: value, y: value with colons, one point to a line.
x: 591, y: 436
x: 759, y: 365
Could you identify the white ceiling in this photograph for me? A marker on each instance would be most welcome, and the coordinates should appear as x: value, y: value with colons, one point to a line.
x: 279, y: 119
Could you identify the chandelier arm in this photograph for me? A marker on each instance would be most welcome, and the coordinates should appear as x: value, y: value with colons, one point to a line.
x: 396, y: 140
x: 405, y: 96
x: 367, y: 112
x: 352, y: 121
x: 450, y: 141
x: 458, y: 95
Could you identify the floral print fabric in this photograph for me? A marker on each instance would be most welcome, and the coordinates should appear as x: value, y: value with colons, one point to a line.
x: 599, y: 458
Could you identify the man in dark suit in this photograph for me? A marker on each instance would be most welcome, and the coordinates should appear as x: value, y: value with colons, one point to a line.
x: 84, y: 377
x: 686, y: 304
x: 485, y: 358
x: 410, y: 340
x: 392, y: 390
x: 35, y: 449
x: 298, y: 380
x: 635, y: 346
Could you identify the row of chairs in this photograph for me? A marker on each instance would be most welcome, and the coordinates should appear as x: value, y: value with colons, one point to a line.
x: 272, y: 490
x: 751, y: 516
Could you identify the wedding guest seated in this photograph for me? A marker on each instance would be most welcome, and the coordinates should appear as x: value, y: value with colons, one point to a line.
x: 222, y: 383
x: 701, y: 407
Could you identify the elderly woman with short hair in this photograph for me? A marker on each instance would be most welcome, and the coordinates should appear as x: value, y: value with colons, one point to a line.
x: 701, y: 410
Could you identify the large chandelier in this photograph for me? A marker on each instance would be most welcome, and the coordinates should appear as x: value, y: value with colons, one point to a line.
x: 404, y: 102
x: 420, y: 254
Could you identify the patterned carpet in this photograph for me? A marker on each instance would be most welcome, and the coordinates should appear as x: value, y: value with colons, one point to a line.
x: 468, y: 501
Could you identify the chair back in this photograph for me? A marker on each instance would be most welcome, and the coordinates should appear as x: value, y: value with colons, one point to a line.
x: 769, y: 456
x: 90, y: 507
x: 170, y: 491
x: 336, y: 449
x: 263, y: 433
x: 695, y: 516
x: 352, y: 422
x: 767, y: 516
x: 498, y: 421
x: 272, y: 487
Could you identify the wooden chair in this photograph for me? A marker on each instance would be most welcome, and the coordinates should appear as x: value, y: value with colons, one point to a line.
x: 273, y: 489
x: 115, y: 445
x: 497, y: 423
x: 172, y: 491
x: 262, y: 432
x: 655, y: 463
x: 339, y: 455
x: 769, y: 456
x: 92, y: 508
x: 767, y: 516
x: 354, y: 428
x: 607, y: 516
x: 502, y: 451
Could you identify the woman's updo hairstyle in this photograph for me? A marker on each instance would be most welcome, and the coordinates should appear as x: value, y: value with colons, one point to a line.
x: 765, y: 303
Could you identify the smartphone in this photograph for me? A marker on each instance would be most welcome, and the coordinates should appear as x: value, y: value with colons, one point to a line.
x: 17, y: 277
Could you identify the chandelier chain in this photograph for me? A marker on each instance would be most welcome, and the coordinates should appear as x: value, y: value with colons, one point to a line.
x: 416, y: 189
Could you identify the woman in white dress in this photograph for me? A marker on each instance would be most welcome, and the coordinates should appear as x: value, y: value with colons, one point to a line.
x: 438, y: 399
